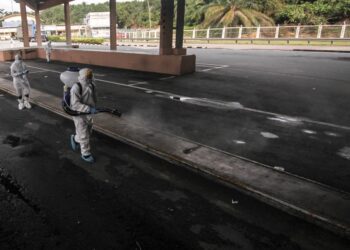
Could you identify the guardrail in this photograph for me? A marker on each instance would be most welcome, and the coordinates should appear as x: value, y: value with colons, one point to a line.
x: 285, y: 32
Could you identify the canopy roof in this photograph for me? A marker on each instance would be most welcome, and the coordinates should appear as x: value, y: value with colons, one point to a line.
x: 43, y: 4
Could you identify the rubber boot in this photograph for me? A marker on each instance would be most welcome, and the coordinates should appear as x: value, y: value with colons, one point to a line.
x: 20, y: 104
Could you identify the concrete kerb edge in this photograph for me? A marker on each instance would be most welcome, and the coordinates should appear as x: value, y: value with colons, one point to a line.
x: 331, y: 225
x: 319, y: 50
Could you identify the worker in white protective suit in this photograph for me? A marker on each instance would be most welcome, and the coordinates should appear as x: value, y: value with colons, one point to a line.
x: 48, y: 50
x: 21, y: 84
x: 83, y: 99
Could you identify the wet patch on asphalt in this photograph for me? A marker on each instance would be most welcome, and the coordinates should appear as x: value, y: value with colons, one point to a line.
x: 14, y: 188
x: 173, y: 196
x: 345, y: 153
x: 33, y: 152
x: 12, y: 140
x: 15, y: 141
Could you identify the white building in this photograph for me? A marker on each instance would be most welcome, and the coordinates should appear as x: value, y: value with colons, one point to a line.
x: 14, y: 21
x: 97, y: 24
x: 10, y: 24
x: 60, y: 30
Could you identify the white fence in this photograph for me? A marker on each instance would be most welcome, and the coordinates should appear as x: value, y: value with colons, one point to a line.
x: 260, y: 32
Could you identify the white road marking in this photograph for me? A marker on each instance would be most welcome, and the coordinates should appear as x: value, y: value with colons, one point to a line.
x: 307, y: 120
x: 332, y: 134
x: 286, y: 119
x: 138, y: 83
x: 166, y: 78
x: 37, y: 72
x: 210, y: 64
x: 310, y: 132
x: 239, y: 142
x: 269, y: 135
x: 210, y: 69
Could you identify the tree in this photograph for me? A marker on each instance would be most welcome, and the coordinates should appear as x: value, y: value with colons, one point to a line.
x: 314, y: 12
x: 233, y: 13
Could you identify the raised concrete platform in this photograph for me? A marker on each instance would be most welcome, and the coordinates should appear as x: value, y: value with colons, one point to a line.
x: 308, y: 200
x: 163, y: 64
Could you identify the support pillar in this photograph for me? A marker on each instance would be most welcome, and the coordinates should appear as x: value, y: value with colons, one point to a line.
x: 38, y: 28
x: 113, y: 24
x: 67, y: 23
x: 166, y: 27
x: 180, y: 20
x: 24, y: 21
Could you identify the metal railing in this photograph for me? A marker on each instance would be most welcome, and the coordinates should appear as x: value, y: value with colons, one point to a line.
x: 285, y: 32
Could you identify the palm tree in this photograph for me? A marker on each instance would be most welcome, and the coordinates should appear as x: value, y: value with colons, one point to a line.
x: 233, y: 13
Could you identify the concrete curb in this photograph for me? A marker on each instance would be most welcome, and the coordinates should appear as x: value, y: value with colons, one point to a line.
x: 318, y: 204
x: 319, y: 50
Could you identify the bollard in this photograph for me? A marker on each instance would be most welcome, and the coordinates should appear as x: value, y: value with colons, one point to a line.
x: 277, y: 33
x: 319, y: 32
x: 240, y: 32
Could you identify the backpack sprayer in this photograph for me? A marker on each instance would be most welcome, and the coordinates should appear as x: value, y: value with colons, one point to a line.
x: 69, y: 78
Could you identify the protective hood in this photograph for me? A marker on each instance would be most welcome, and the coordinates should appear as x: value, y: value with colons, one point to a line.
x: 85, y: 76
x: 18, y: 58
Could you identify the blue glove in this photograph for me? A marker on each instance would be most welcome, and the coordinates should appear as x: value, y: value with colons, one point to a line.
x: 93, y: 110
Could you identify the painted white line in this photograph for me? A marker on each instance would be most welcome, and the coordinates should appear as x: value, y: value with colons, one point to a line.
x: 37, y: 72
x: 50, y: 70
x: 304, y: 119
x: 166, y: 78
x: 210, y: 64
x: 135, y: 83
x: 138, y: 83
x: 243, y: 108
x: 220, y: 67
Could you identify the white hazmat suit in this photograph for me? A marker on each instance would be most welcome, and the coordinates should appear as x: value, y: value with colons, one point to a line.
x: 83, y: 100
x: 48, y: 50
x: 21, y: 84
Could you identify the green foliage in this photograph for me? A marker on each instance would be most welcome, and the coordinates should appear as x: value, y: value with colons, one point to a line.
x: 88, y: 40
x: 220, y: 13
x: 53, y: 16
x: 56, y: 38
x: 203, y: 13
x: 77, y: 40
x: 314, y: 12
x: 129, y: 14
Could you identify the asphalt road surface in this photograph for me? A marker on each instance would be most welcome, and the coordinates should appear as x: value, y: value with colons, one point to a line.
x: 283, y: 109
x: 280, y: 108
x: 50, y: 199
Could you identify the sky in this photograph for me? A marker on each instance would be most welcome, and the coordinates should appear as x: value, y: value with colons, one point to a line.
x: 8, y: 4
